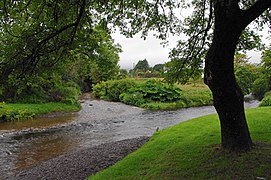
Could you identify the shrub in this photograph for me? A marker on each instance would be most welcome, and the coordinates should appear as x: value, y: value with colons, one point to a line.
x: 260, y: 87
x: 117, y: 87
x: 99, y: 90
x: 111, y: 90
x: 67, y: 93
x: 135, y: 99
x: 151, y: 91
x: 266, y: 101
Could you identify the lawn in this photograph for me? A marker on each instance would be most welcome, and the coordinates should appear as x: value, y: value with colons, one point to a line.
x: 191, y: 150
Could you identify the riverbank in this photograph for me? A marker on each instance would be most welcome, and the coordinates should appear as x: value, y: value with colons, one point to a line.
x: 26, y: 144
x: 82, y: 163
x: 191, y: 150
x: 17, y: 111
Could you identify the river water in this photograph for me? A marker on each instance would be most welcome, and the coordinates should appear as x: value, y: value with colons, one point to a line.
x: 25, y: 144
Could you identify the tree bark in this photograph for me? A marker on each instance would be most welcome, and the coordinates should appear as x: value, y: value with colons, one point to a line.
x: 219, y: 76
x: 228, y: 97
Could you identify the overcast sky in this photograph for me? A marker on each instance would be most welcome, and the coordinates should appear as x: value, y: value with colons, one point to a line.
x: 135, y: 49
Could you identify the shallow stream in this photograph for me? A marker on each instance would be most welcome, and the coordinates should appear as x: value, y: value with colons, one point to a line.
x: 27, y: 143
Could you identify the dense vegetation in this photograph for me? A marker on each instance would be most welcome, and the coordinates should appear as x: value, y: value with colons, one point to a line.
x: 59, y: 78
x: 266, y: 101
x: 152, y: 94
x: 191, y: 150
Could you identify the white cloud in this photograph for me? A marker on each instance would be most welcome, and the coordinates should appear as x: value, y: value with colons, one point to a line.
x: 135, y: 49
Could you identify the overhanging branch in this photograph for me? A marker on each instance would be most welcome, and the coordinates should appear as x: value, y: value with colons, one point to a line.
x: 256, y: 10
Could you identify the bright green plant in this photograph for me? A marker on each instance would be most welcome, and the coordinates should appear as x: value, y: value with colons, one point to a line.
x: 155, y: 90
x: 135, y: 98
x: 266, y: 101
x: 260, y: 86
x: 111, y: 90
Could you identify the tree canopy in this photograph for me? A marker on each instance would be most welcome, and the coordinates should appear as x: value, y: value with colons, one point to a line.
x: 37, y: 33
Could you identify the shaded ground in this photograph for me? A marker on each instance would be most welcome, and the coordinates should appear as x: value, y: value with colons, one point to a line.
x: 80, y: 164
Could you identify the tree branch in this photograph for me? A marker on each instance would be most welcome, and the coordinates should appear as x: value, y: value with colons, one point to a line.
x: 256, y: 10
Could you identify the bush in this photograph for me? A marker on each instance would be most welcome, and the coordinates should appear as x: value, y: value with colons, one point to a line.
x: 260, y: 87
x: 67, y: 93
x: 111, y: 90
x: 266, y: 101
x: 135, y: 99
x: 151, y: 91
x: 99, y: 90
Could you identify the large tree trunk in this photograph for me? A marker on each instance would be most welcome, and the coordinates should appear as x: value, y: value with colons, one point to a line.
x: 227, y: 95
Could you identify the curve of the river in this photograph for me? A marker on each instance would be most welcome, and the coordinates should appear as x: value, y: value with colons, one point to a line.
x: 26, y: 144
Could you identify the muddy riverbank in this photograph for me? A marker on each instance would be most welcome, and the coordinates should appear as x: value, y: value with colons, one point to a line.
x: 82, y: 163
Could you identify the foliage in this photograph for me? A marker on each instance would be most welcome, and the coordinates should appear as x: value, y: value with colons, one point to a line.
x: 260, y: 86
x: 151, y: 91
x: 41, y: 39
x: 194, y: 95
x: 245, y: 73
x: 266, y: 101
x: 190, y: 150
x: 123, y: 73
x: 158, y: 67
x: 135, y: 99
x: 40, y: 89
x: 11, y: 111
x: 153, y: 94
x: 199, y: 27
x: 263, y: 83
x: 95, y: 60
x: 142, y: 65
x: 111, y: 90
x: 36, y: 35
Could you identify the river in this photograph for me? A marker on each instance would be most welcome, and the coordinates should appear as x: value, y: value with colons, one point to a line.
x: 27, y: 143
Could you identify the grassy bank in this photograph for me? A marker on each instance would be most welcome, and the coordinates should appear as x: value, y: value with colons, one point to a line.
x: 191, y: 150
x: 9, y: 112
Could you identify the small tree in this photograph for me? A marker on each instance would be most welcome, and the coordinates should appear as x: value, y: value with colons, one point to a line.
x: 142, y: 65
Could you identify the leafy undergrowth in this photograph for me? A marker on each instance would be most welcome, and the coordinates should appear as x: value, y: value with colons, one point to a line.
x: 191, y: 150
x: 154, y: 94
x: 9, y: 112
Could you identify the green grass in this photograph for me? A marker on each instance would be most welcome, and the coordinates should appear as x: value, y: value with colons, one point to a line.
x: 191, y: 150
x: 9, y: 111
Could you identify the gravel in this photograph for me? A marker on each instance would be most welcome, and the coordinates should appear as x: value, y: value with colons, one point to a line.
x: 82, y: 163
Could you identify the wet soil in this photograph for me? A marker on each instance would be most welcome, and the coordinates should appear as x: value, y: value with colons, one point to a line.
x: 82, y: 163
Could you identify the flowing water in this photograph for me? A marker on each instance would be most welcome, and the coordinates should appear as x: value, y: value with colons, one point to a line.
x: 27, y: 143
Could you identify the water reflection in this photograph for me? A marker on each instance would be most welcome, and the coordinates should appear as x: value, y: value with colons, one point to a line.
x: 42, y: 149
x: 41, y: 122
